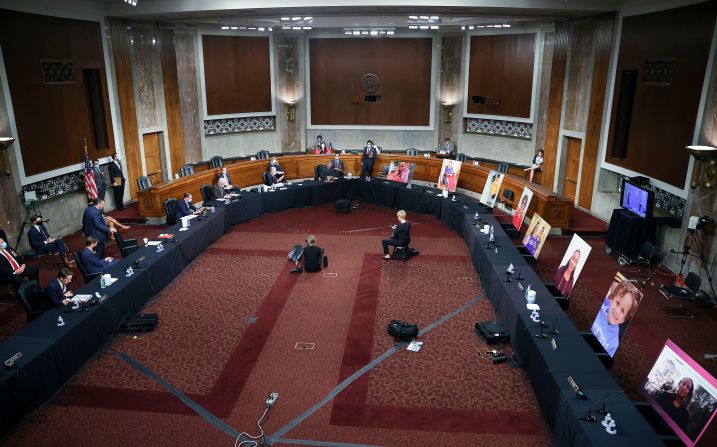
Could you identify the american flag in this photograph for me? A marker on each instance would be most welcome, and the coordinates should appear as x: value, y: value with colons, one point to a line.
x: 90, y: 184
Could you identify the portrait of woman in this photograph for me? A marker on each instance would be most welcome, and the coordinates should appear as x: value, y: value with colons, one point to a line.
x: 676, y: 401
x: 536, y: 235
x: 522, y: 208
x: 617, y: 309
x: 565, y: 276
x: 448, y: 177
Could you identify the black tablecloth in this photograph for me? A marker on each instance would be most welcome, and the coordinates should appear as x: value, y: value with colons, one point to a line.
x: 627, y: 232
x: 240, y: 210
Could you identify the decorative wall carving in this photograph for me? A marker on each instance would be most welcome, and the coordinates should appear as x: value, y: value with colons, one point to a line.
x: 658, y: 71
x: 58, y: 72
x: 499, y: 127
x: 56, y: 186
x: 239, y: 125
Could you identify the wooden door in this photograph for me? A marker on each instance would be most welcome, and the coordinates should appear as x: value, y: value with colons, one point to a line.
x: 153, y: 156
x: 572, y: 168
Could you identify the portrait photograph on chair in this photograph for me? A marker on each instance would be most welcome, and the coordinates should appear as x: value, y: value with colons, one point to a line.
x: 571, y: 265
x: 615, y: 313
x: 491, y: 188
x: 536, y: 234
x: 400, y: 171
x: 448, y: 177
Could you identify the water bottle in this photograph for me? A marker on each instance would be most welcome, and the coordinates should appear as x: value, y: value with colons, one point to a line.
x: 103, y: 283
x: 492, y: 237
x: 527, y: 289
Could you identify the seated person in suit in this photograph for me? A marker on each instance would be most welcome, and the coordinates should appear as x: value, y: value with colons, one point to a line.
x: 337, y: 165
x: 275, y: 163
x: 185, y: 207
x: 228, y: 179
x: 448, y: 147
x: 57, y: 291
x: 92, y: 261
x: 325, y: 172
x: 313, y: 255
x: 41, y: 242
x: 401, y: 234
x: 12, y: 269
x: 274, y: 179
x: 221, y: 190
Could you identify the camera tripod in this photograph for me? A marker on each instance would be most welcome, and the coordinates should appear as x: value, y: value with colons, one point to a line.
x: 692, y: 238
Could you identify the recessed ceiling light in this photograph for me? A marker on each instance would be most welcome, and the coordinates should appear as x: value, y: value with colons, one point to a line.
x: 285, y: 18
x: 374, y: 33
x: 506, y: 26
x: 382, y: 32
x: 286, y: 27
x: 242, y: 27
x: 480, y: 26
x: 261, y: 28
x: 423, y: 27
x: 295, y: 27
x: 348, y: 33
x: 296, y: 18
x: 308, y: 18
x: 225, y: 27
x: 424, y: 17
x: 357, y: 33
x: 489, y: 26
x: 471, y: 27
x: 413, y: 17
x: 434, y: 26
x: 434, y: 17
x: 413, y: 27
x: 390, y: 33
x: 235, y: 27
x: 252, y: 27
x: 364, y: 32
x: 463, y: 27
x: 306, y: 27
x: 270, y: 29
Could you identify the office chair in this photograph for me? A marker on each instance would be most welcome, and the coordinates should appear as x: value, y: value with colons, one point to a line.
x: 33, y: 299
x: 261, y: 155
x: 503, y: 168
x: 216, y: 162
x: 170, y: 209
x: 144, y: 183
x: 186, y: 170
x: 126, y: 246
x: 412, y: 152
x: 207, y: 193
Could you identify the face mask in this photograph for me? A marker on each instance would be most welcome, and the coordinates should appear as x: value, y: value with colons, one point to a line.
x: 3, y: 245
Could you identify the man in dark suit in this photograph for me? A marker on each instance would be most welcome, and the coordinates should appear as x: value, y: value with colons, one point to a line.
x: 325, y: 172
x: 369, y: 156
x: 185, y: 207
x: 99, y: 179
x: 41, y: 242
x: 93, y: 261
x: 228, y: 178
x: 94, y: 225
x: 118, y: 180
x: 12, y: 270
x: 401, y: 234
x: 337, y: 165
x: 57, y: 291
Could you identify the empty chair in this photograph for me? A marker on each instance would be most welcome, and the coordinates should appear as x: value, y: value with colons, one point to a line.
x: 87, y: 276
x: 186, y: 170
x: 144, y: 183
x: 262, y: 155
x: 170, y: 209
x: 33, y: 299
x: 508, y: 194
x: 126, y: 246
x: 647, y: 251
x: 503, y: 167
x: 216, y: 162
x: 461, y: 157
x: 384, y: 170
x: 207, y: 193
x: 412, y: 152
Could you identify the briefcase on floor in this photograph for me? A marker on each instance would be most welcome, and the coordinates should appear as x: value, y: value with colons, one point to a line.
x: 492, y: 332
x: 343, y: 206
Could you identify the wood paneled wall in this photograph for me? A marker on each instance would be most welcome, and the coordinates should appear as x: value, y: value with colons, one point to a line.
x: 125, y: 93
x: 555, y: 101
x: 53, y: 119
x: 501, y: 66
x: 403, y: 67
x: 172, y: 103
x: 663, y: 116
x: 237, y: 74
x: 603, y: 46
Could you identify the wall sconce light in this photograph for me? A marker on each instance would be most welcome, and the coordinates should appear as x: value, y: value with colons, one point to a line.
x: 290, y: 111
x: 705, y: 167
x: 448, y: 113
x: 5, y: 143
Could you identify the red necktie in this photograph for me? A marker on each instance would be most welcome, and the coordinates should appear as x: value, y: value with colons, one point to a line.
x: 10, y: 259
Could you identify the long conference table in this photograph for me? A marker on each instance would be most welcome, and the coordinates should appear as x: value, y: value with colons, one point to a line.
x: 51, y: 355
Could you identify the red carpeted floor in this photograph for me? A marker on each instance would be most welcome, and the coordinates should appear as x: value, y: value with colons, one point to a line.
x: 130, y: 214
x: 227, y: 337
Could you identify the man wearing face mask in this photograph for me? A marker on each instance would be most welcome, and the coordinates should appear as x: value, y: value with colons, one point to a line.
x: 185, y: 207
x: 93, y: 261
x: 12, y: 271
x: 94, y: 225
x: 99, y: 179
x: 41, y: 242
x: 118, y: 181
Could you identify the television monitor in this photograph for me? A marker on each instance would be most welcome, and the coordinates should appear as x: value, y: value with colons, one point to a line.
x: 682, y: 392
x: 636, y: 199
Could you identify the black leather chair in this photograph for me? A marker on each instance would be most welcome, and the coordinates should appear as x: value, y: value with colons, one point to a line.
x: 33, y: 299
x: 262, y: 155
x: 316, y: 172
x: 126, y: 246
x: 144, y: 183
x: 170, y: 209
x: 216, y: 162
x: 186, y: 170
x: 384, y: 170
x: 87, y: 276
x: 207, y: 193
x: 266, y: 177
x: 412, y: 152
x: 462, y: 158
x: 503, y: 167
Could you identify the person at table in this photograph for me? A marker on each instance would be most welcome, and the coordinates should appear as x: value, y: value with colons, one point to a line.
x: 337, y: 166
x: 617, y: 309
x: 322, y: 149
x: 221, y: 190
x: 57, y: 291
x: 313, y: 255
x: 536, y: 165
x: 274, y: 177
x: 675, y: 402
x: 565, y: 275
x: 94, y: 225
x: 228, y: 179
x: 12, y: 269
x: 448, y: 147
x: 41, y: 242
x: 400, y: 236
x: 100, y: 182
x: 92, y: 260
x: 369, y: 157
x: 275, y: 163
x: 326, y: 173
x: 118, y: 180
x: 185, y: 207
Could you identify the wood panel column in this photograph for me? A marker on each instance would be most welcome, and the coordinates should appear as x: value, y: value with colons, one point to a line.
x: 172, y: 103
x: 125, y: 93
x: 555, y: 102
x: 601, y: 65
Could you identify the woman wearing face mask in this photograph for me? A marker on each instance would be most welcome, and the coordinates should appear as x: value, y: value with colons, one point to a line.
x: 565, y: 276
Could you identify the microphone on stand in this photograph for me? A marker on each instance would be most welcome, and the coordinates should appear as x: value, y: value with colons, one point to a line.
x: 589, y: 416
x: 554, y: 331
